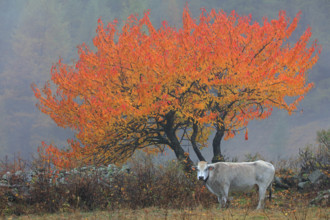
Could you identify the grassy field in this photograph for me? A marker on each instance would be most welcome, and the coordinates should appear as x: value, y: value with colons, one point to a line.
x: 284, y: 205
x: 155, y: 192
x: 197, y: 213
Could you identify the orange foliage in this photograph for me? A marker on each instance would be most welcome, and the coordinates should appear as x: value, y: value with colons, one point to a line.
x: 223, y: 70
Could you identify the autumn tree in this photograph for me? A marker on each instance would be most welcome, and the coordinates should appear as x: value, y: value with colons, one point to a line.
x: 145, y: 88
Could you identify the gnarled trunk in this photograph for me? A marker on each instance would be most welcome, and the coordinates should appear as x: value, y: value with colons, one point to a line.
x: 194, y: 143
x: 217, y: 156
x: 175, y: 145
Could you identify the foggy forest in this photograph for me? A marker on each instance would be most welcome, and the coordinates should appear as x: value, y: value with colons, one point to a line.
x: 34, y: 34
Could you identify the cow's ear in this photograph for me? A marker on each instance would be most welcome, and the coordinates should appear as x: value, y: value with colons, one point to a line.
x: 210, y: 167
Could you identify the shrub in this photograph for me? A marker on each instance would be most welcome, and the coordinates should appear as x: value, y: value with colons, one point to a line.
x: 312, y: 158
x: 250, y: 157
x: 147, y: 184
x: 162, y: 185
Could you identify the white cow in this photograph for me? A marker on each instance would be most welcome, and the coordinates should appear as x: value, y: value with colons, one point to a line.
x: 223, y: 177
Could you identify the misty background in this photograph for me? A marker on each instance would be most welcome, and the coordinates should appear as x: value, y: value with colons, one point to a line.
x: 34, y: 34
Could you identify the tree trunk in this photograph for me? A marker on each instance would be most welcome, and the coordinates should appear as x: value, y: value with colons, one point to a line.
x: 179, y: 153
x: 175, y: 143
x: 194, y: 144
x: 217, y: 156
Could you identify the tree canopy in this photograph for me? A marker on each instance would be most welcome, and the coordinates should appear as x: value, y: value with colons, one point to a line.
x: 145, y: 88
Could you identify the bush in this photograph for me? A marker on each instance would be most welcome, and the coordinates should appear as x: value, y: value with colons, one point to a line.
x: 250, y: 157
x: 147, y: 184
x: 313, y: 158
x: 162, y: 185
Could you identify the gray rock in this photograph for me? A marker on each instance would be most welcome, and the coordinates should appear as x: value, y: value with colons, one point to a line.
x: 304, y: 185
x: 30, y: 175
x: 279, y: 183
x: 322, y: 199
x: 315, y: 176
x: 3, y: 183
x: 19, y: 173
x: 103, y: 174
x: 83, y: 168
x: 61, y: 180
x: 304, y: 177
x: 291, y: 181
x: 6, y: 176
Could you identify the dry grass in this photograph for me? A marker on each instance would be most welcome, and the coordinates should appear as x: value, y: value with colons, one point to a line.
x: 285, y: 205
x: 150, y: 191
x: 197, y: 213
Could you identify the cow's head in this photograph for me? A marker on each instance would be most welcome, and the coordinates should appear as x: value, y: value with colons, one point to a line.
x: 203, y: 170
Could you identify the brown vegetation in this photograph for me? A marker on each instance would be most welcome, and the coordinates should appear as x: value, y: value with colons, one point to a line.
x: 149, y: 186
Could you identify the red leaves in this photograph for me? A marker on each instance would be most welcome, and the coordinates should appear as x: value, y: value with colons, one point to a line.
x: 223, y: 70
x: 246, y: 134
x: 123, y: 107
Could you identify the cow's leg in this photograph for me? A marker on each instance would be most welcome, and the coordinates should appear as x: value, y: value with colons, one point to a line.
x: 220, y: 202
x: 262, y: 194
x: 225, y: 201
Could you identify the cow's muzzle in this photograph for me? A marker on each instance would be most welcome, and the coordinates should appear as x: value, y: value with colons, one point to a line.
x: 201, y: 178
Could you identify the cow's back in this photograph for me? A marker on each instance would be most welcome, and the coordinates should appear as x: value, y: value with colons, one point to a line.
x: 240, y: 176
x: 264, y: 171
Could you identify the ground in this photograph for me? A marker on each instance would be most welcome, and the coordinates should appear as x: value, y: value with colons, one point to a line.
x: 285, y: 205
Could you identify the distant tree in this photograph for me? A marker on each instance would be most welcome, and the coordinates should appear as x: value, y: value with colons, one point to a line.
x: 323, y: 137
x: 316, y: 157
x: 323, y: 154
x: 145, y: 88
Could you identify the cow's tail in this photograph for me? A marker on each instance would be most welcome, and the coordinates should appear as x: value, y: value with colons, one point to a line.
x: 270, y: 191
